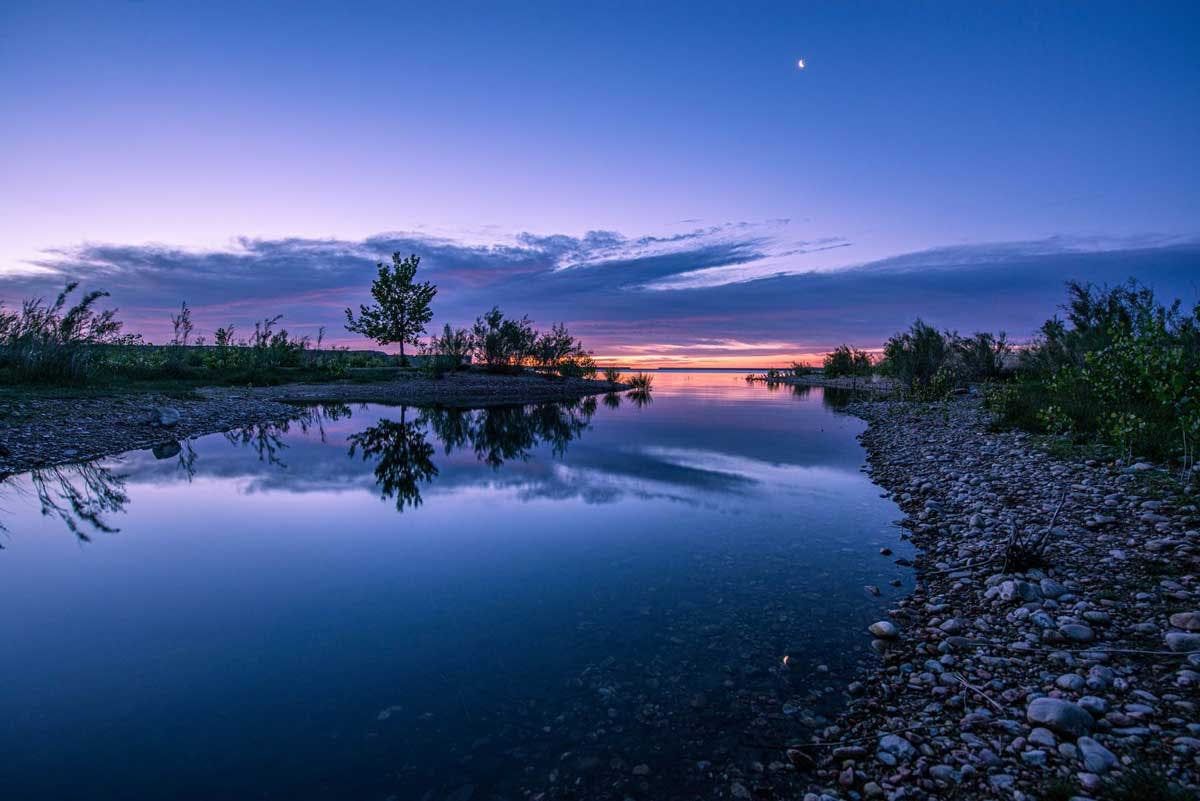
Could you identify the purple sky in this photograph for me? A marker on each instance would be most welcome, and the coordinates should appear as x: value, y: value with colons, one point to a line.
x: 665, y: 180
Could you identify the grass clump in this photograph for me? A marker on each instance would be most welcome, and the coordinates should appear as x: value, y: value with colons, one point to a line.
x: 1145, y: 783
x: 54, y: 343
x: 641, y: 382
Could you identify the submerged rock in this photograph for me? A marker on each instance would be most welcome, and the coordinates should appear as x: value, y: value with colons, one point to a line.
x: 884, y: 629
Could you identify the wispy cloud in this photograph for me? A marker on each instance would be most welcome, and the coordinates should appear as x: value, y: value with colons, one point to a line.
x: 715, y: 292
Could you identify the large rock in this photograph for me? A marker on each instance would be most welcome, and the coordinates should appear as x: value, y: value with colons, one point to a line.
x: 1188, y: 621
x: 1051, y: 588
x: 897, y: 746
x: 1183, y: 641
x: 1077, y: 632
x: 1059, y: 716
x: 884, y: 629
x: 1095, y: 757
x: 166, y: 415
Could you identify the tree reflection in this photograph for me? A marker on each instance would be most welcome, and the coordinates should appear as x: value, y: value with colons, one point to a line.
x: 81, y: 496
x: 496, y: 434
x: 267, y: 438
x: 403, y: 458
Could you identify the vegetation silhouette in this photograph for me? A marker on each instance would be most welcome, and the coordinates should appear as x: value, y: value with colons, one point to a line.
x: 401, y: 308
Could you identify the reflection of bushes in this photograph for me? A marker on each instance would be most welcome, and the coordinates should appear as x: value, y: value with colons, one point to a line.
x: 640, y: 397
x: 265, y: 438
x: 503, y: 433
x: 81, y: 496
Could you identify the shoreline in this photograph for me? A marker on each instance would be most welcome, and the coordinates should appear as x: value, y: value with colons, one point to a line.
x: 43, y: 431
x: 950, y: 708
x: 874, y: 384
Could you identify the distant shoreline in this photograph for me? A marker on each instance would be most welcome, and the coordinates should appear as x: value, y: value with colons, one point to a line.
x: 870, y: 383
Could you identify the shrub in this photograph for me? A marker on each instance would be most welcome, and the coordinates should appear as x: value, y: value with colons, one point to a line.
x: 982, y: 356
x: 556, y: 350
x: 1122, y: 369
x: 916, y: 357
x: 847, y: 361
x: 502, y: 344
x: 453, y: 345
x: 612, y: 375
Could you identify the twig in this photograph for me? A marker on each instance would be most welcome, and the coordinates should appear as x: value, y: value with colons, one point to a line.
x: 975, y: 689
x: 970, y: 566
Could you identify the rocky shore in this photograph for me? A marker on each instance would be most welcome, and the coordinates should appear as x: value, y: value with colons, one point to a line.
x: 1075, y: 678
x: 42, y: 430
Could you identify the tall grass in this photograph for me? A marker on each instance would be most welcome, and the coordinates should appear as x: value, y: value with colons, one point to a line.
x: 54, y: 342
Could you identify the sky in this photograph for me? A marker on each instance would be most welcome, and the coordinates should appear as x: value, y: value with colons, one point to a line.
x: 662, y: 177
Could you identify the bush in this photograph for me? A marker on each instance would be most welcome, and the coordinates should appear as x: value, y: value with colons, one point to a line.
x: 1122, y: 369
x: 612, y: 375
x: 454, y: 346
x: 983, y: 356
x: 918, y: 358
x: 847, y: 361
x: 502, y: 345
x: 508, y: 345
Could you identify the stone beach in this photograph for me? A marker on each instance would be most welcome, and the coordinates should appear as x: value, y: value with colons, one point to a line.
x: 1062, y: 678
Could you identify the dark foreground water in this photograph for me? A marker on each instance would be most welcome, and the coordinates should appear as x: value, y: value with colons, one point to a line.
x: 591, y: 601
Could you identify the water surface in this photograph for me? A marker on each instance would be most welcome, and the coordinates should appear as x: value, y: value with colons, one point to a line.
x: 590, y: 600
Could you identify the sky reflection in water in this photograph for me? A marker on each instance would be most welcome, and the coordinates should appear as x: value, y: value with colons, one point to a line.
x: 374, y: 602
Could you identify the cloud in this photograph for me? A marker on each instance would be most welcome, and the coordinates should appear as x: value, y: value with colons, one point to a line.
x: 732, y: 293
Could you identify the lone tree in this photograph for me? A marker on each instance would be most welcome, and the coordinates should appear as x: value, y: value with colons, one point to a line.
x: 401, y: 307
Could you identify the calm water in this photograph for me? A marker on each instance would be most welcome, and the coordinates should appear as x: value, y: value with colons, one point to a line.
x: 381, y: 602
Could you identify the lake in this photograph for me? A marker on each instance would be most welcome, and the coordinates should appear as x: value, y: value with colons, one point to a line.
x: 621, y: 598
